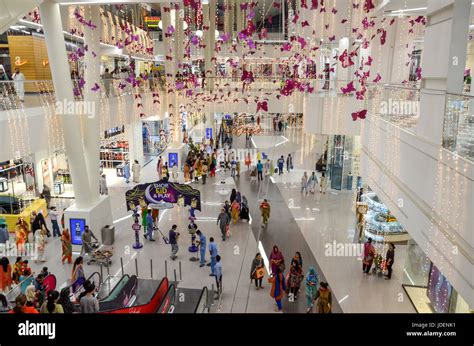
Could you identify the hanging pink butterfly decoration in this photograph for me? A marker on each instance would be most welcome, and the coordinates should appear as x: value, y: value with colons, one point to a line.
x: 96, y: 87
x: 262, y: 106
x: 359, y: 115
x: 377, y: 79
x: 348, y: 89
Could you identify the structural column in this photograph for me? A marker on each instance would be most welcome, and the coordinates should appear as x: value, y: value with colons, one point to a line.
x: 91, y: 121
x: 57, y: 55
x: 444, y: 60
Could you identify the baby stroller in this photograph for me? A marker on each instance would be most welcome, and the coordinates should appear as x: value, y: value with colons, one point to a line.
x: 244, y: 209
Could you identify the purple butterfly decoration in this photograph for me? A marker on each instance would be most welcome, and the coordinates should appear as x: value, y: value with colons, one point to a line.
x: 359, y: 115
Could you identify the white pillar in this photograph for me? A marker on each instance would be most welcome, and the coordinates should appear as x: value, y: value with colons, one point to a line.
x: 91, y: 122
x: 443, y: 62
x: 57, y: 55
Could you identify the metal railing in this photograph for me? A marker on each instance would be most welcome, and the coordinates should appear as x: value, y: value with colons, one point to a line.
x: 397, y: 104
x: 458, y: 127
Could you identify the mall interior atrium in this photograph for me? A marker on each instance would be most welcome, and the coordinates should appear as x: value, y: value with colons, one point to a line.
x: 236, y: 156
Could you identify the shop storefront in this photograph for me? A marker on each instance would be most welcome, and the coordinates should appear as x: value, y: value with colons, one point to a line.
x: 427, y: 288
x: 155, y: 137
x: 114, y: 150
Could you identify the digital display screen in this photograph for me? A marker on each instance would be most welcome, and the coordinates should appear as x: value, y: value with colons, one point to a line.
x: 77, y: 227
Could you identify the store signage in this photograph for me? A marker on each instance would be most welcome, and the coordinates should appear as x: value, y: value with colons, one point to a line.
x: 208, y: 132
x: 77, y: 227
x: 153, y: 193
x: 152, y: 22
x: 19, y: 62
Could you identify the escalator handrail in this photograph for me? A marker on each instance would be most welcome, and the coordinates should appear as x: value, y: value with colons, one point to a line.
x: 124, y: 310
x: 124, y: 277
x: 204, y: 289
x: 133, y: 282
x: 171, y: 288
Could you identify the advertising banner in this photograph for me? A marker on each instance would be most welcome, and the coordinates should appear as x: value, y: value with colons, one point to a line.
x: 163, y: 191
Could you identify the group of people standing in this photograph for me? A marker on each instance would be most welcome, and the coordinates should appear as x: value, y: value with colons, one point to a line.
x: 309, y: 184
x: 316, y: 292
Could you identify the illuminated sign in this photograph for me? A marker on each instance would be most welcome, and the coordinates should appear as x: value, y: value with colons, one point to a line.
x: 152, y: 22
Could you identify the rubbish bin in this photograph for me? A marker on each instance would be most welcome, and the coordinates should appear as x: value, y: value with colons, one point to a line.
x: 108, y: 235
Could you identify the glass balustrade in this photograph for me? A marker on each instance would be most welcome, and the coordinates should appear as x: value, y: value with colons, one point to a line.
x: 458, y: 129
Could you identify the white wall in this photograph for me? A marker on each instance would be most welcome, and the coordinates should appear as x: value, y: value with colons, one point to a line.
x: 414, y: 177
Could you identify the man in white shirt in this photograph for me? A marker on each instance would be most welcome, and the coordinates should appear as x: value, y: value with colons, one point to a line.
x: 53, y: 216
x: 19, y: 79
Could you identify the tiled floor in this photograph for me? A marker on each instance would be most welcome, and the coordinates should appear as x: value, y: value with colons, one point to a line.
x: 305, y: 223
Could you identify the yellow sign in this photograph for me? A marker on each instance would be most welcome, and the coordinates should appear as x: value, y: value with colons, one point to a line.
x: 19, y: 62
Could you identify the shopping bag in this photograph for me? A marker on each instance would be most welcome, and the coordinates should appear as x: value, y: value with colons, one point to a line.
x: 259, y: 273
x: 227, y: 231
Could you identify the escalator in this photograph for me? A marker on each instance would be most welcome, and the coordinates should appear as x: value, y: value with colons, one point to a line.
x: 137, y: 296
x: 197, y: 301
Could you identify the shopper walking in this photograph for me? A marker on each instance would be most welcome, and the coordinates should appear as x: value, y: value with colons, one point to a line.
x: 77, y: 274
x: 17, y: 271
x: 277, y: 261
x: 86, y: 237
x: 259, y: 170
x: 281, y: 163
x: 257, y: 271
x: 218, y: 274
x: 40, y: 243
x: 289, y: 163
x: 174, y: 172
x: 66, y: 246
x: 277, y: 280
x: 4, y: 235
x: 213, y: 254
x: 53, y: 216
x: 126, y: 172
x: 295, y: 278
x: 149, y: 226
x: 136, y: 171
x: 324, y: 299
x: 312, y: 181
x: 311, y: 283
x: 205, y: 170
x: 202, y: 248
x: 266, y: 168
x: 159, y: 168
x: 369, y: 255
x: 389, y: 259
x: 304, y: 183
x: 223, y: 220
x: 233, y: 195
x: 103, y: 189
x: 173, y: 238
x: 5, y: 275
x: 235, y: 211
x: 265, y: 210
x: 19, y: 79
x: 323, y: 183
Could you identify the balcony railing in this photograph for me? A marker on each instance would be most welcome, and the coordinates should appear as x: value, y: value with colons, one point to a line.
x: 399, y: 105
x: 458, y: 129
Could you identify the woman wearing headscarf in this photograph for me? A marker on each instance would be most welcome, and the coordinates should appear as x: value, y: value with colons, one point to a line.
x: 244, y: 209
x: 238, y: 197
x: 277, y: 260
x: 233, y: 195
x: 235, y: 211
x: 257, y: 271
x: 311, y: 282
x: 17, y: 271
x: 295, y: 277
x: 324, y: 299
x: 65, y: 301
x: 66, y: 246
x: 278, y: 287
x: 5, y: 275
